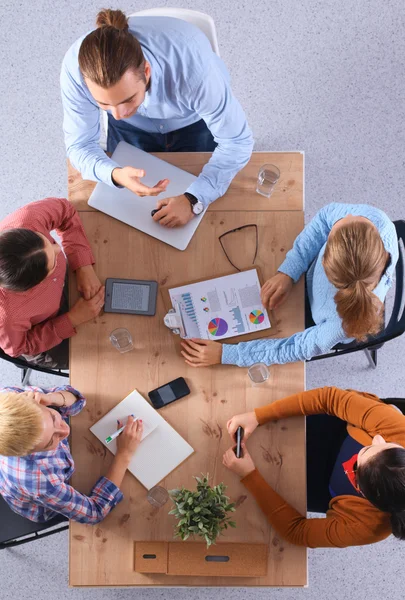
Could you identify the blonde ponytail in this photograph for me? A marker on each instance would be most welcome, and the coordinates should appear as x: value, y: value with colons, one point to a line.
x: 360, y: 310
x: 354, y: 260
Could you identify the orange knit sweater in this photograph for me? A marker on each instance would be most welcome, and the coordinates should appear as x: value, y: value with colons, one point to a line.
x: 350, y: 521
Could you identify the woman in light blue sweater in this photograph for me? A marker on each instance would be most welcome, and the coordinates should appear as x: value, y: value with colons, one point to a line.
x: 348, y: 253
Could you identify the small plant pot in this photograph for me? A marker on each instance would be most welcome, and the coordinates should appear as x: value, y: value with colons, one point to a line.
x: 202, y: 513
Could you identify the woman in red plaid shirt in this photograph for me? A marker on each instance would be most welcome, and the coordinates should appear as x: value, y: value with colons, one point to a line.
x: 36, y: 463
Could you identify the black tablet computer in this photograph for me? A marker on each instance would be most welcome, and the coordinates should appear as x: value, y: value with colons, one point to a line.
x: 130, y: 296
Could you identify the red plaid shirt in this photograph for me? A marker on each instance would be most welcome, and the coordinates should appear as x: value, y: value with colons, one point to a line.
x: 28, y: 321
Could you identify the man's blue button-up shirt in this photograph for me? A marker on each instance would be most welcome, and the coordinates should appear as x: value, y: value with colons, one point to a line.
x: 189, y: 82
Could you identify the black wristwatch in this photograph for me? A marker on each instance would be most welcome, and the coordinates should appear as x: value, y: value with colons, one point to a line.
x: 196, y: 206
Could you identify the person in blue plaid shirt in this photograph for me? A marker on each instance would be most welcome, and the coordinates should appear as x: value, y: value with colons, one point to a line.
x: 35, y: 459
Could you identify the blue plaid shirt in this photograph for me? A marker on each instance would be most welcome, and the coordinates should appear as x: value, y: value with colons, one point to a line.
x: 36, y: 486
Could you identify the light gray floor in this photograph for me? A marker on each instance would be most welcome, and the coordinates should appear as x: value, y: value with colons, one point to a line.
x: 326, y: 77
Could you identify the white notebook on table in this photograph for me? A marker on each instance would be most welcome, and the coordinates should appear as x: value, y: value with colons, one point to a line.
x: 161, y: 450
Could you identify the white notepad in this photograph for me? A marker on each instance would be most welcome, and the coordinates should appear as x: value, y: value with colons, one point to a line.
x: 161, y: 450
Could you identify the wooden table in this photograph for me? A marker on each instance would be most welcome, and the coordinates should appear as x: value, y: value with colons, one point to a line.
x: 102, y: 555
x: 288, y: 194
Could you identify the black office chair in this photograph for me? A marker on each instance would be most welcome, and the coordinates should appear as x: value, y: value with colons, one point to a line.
x: 398, y: 402
x: 396, y: 323
x: 27, y: 367
x: 16, y: 530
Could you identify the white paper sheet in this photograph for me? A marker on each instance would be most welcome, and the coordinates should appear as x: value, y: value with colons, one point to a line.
x: 161, y: 450
x: 223, y: 307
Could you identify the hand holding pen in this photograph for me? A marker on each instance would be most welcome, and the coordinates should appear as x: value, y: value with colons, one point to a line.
x: 113, y: 436
x: 130, y: 437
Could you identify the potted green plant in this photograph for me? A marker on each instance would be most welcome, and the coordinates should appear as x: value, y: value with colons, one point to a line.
x: 202, y: 513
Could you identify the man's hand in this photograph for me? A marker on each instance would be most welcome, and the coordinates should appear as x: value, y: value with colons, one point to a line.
x: 87, y: 281
x: 86, y: 310
x: 201, y: 353
x: 173, y: 212
x: 241, y: 466
x: 129, y: 178
x: 276, y: 290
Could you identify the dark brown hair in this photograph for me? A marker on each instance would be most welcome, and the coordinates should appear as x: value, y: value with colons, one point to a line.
x: 23, y: 260
x: 382, y: 481
x: 354, y: 261
x: 110, y: 50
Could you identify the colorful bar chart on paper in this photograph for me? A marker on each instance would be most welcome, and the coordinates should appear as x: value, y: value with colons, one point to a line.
x: 189, y: 315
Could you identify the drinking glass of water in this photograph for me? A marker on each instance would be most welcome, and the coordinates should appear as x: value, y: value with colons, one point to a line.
x: 122, y: 340
x: 157, y: 496
x: 258, y: 373
x: 267, y: 179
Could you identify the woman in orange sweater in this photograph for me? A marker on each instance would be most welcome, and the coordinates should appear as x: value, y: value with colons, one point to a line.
x: 355, y: 468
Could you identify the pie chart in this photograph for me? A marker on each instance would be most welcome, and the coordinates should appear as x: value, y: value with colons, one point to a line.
x: 256, y: 317
x: 217, y: 327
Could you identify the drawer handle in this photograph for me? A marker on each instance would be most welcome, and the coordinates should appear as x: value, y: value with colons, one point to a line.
x: 149, y: 556
x: 217, y: 558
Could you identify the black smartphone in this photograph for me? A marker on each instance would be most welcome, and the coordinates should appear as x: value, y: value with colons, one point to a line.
x: 168, y: 393
x: 239, y: 438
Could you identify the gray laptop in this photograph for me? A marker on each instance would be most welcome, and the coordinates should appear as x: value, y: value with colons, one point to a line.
x: 134, y: 210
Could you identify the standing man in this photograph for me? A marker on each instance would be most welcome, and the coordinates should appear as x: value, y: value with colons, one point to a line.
x: 164, y: 90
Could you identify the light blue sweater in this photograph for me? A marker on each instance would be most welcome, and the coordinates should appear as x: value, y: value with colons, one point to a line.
x: 308, y: 248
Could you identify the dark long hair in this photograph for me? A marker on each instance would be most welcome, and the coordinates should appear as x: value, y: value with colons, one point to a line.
x: 23, y: 260
x: 382, y: 481
x: 110, y: 50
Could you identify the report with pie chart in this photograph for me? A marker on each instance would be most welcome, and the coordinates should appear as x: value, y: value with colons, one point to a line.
x: 221, y: 308
x: 217, y: 327
x: 256, y: 317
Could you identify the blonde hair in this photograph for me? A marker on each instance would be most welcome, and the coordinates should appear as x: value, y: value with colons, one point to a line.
x: 21, y: 424
x: 110, y: 50
x: 354, y: 261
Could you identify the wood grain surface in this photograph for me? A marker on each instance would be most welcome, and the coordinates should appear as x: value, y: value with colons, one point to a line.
x: 241, y: 194
x: 102, y: 555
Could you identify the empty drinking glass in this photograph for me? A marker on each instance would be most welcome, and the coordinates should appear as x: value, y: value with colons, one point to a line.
x: 267, y: 179
x: 157, y: 496
x: 121, y: 339
x: 258, y: 373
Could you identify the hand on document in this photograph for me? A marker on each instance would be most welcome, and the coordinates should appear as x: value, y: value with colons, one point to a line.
x: 276, y: 290
x: 201, y: 353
